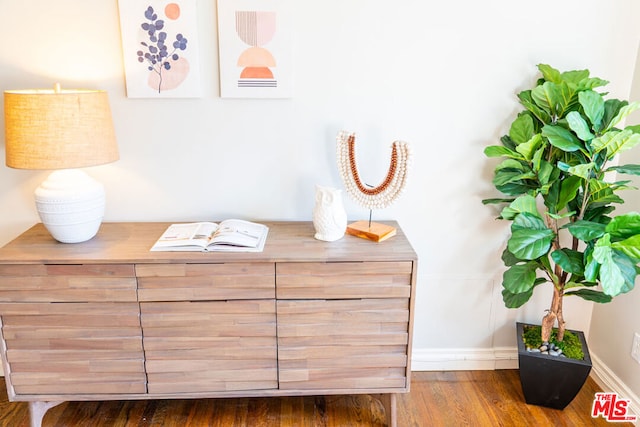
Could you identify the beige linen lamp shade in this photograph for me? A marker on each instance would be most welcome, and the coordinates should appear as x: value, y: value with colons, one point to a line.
x: 62, y: 129
x: 45, y: 129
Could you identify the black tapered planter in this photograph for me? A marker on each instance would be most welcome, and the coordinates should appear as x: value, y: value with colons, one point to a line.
x: 551, y: 381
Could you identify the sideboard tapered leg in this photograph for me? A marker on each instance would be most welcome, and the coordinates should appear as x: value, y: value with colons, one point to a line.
x: 388, y: 401
x: 37, y: 411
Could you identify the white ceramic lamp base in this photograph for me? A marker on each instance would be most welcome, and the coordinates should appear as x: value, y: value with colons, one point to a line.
x: 71, y: 205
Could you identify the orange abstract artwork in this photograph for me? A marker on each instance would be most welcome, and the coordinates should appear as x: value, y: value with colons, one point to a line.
x: 255, y: 48
x: 256, y: 29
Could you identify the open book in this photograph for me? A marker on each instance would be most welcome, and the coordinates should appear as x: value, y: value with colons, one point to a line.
x: 231, y: 235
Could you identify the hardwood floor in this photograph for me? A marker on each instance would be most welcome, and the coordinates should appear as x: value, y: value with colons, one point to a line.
x: 459, y: 398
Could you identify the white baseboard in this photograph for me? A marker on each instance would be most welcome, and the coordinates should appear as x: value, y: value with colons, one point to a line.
x: 464, y: 359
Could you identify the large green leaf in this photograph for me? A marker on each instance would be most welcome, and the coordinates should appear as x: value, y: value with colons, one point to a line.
x: 629, y: 247
x: 586, y: 230
x: 519, y: 278
x: 622, y: 114
x: 499, y: 151
x: 530, y: 244
x: 528, y: 221
x: 507, y: 142
x: 591, y: 266
x: 561, y: 138
x: 545, y: 172
x: 582, y: 170
x: 509, y: 259
x: 551, y: 188
x: 611, y: 109
x: 598, y: 213
x: 626, y: 169
x: 611, y: 277
x: 553, y: 193
x: 526, y: 100
x: 568, y: 191
x: 602, y: 194
x: 593, y: 105
x: 511, y: 164
x: 590, y: 295
x: 512, y: 300
x: 617, y: 271
x: 575, y: 77
x: 624, y: 266
x: 579, y: 125
x: 592, y: 83
x: 521, y: 129
x: 629, y: 271
x: 600, y: 143
x: 548, y: 97
x: 524, y: 203
x: 615, y: 142
x: 529, y: 149
x: 550, y: 74
x: 511, y: 177
x: 515, y: 188
x: 624, y: 226
x: 569, y: 260
x: 537, y: 159
x: 505, y: 176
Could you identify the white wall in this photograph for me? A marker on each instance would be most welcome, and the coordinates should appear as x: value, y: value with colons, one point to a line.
x: 441, y: 75
x: 613, y: 325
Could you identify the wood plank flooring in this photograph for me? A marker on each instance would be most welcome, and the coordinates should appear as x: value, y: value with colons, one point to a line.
x: 458, y: 398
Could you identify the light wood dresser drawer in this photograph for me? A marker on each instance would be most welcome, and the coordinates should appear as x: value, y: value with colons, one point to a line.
x: 343, y: 280
x: 344, y: 344
x: 73, y: 348
x: 71, y: 329
x: 67, y: 283
x: 343, y: 325
x: 208, y: 346
x: 197, y: 282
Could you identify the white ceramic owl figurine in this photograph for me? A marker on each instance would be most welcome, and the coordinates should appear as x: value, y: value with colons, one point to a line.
x: 329, y: 216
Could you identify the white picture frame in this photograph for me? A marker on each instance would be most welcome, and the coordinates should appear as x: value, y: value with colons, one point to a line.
x: 160, y: 48
x: 255, y: 48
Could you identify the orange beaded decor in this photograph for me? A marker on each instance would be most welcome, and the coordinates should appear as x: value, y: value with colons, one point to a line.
x: 391, y: 187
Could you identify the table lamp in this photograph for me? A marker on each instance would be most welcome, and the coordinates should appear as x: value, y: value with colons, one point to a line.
x: 62, y: 130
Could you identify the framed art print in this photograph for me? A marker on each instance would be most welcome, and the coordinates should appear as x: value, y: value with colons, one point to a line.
x: 255, y: 48
x: 160, y: 48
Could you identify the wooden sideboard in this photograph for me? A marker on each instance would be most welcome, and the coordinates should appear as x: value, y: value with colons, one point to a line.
x: 109, y: 320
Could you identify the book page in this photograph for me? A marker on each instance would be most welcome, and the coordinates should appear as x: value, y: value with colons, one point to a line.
x: 194, y: 234
x: 239, y: 233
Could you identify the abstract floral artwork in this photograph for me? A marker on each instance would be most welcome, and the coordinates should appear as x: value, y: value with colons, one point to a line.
x: 255, y: 49
x: 160, y: 47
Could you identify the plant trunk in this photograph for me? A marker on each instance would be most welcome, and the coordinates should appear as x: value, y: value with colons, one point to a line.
x: 560, y: 334
x: 554, y: 314
x: 555, y: 311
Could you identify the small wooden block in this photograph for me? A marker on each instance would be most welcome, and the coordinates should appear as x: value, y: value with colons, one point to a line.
x: 376, y: 231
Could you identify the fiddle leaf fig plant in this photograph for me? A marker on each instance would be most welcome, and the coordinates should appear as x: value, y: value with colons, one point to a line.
x: 560, y: 191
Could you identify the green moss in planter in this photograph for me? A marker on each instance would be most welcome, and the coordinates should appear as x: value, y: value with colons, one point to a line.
x: 570, y: 346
